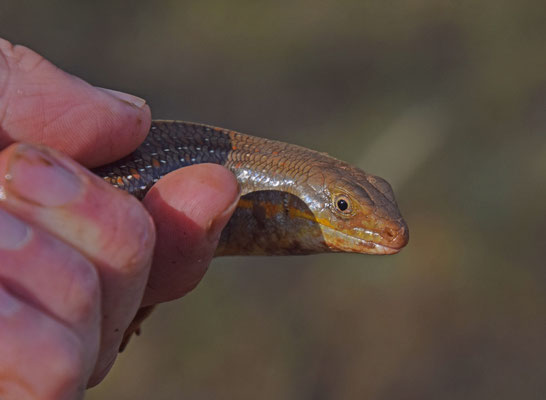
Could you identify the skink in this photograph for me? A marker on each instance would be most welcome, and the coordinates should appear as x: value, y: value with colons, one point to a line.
x: 294, y: 200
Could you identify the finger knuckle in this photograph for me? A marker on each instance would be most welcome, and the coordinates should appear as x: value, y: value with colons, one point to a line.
x: 20, y: 57
x: 49, y: 355
x: 66, y: 361
x: 15, y: 59
x: 132, y: 222
x: 82, y: 291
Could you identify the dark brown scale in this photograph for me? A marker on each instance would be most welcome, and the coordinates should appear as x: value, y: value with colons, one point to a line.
x: 168, y: 147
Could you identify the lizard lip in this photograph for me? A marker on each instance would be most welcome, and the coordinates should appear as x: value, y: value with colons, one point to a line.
x: 340, y: 241
x: 382, y: 249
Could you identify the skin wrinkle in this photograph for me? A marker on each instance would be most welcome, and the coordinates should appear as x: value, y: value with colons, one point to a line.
x: 82, y: 282
x: 38, y: 113
x: 126, y: 261
x: 145, y: 236
x: 31, y: 303
x: 91, y: 284
x: 20, y: 58
x: 63, y: 114
x: 24, y: 295
x: 47, y: 124
x: 67, y: 365
x: 50, y: 127
x: 10, y: 378
x: 25, y: 59
x: 42, y: 113
x: 5, y: 76
x: 110, y: 139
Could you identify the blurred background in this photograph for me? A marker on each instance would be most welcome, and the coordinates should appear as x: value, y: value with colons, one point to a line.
x: 445, y: 99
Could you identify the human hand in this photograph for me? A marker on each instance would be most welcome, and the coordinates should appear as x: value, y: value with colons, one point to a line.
x: 75, y: 253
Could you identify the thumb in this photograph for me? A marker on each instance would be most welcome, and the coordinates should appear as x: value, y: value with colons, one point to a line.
x: 190, y: 207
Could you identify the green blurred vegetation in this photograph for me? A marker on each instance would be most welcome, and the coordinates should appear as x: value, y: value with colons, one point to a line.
x: 446, y: 99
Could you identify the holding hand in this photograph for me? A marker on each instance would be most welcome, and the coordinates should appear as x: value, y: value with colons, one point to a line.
x: 75, y: 253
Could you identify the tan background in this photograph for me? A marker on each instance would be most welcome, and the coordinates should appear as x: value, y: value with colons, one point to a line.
x: 445, y: 99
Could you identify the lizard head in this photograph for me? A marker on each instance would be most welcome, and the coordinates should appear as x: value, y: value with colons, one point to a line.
x: 356, y: 211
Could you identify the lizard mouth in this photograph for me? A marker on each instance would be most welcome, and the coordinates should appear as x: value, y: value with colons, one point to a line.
x: 343, y: 242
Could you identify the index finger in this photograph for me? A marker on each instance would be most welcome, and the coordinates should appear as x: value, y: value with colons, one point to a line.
x: 42, y: 104
x: 107, y: 226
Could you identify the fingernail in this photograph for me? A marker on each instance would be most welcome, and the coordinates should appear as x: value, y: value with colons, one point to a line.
x: 219, y: 222
x: 126, y: 98
x: 14, y: 234
x: 9, y: 305
x: 38, y: 177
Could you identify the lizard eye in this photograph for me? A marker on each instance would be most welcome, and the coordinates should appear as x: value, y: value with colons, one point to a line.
x: 343, y: 204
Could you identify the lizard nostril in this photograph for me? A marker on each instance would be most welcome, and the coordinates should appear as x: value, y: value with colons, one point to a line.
x: 389, y: 234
